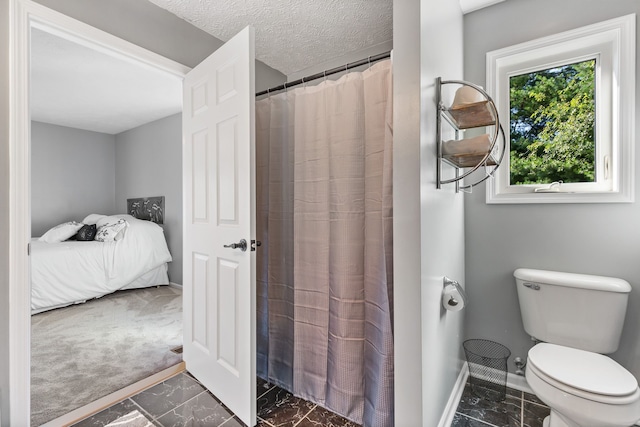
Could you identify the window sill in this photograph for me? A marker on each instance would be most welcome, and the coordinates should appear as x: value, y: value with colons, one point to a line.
x: 557, y: 197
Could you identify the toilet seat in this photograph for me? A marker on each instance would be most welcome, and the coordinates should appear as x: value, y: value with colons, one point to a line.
x: 583, y: 374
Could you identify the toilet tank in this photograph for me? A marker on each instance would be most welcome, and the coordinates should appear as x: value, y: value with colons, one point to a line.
x: 575, y: 310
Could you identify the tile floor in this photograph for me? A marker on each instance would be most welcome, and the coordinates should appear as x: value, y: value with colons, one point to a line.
x: 519, y: 409
x: 183, y: 401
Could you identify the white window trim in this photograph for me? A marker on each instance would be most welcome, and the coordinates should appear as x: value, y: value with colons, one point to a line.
x: 612, y: 44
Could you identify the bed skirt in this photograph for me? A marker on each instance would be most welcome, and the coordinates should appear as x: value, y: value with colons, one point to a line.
x: 156, y: 277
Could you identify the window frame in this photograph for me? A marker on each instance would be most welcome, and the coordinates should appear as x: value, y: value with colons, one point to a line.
x: 612, y: 44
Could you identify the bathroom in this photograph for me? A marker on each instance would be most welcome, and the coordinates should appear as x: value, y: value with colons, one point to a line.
x: 589, y: 238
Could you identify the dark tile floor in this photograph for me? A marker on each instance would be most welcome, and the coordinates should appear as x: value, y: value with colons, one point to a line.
x: 519, y: 409
x: 183, y: 401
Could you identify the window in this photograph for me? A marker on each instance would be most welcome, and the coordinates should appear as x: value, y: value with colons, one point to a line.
x: 552, y: 125
x: 566, y: 103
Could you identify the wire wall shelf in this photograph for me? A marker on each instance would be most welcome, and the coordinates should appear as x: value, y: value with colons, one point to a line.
x: 472, y: 108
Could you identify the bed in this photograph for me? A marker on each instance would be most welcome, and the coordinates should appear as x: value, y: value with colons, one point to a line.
x: 71, y: 272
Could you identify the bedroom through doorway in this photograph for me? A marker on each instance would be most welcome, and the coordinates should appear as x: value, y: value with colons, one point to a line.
x: 106, y: 295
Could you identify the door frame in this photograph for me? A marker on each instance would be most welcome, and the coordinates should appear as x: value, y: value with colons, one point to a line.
x: 25, y: 14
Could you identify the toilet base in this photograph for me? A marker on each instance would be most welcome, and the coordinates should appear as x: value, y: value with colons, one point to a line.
x: 556, y: 420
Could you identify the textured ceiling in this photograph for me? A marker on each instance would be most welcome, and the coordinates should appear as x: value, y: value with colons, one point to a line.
x: 292, y: 35
x: 76, y: 86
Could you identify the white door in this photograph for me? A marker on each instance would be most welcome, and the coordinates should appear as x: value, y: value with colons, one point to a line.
x: 219, y: 192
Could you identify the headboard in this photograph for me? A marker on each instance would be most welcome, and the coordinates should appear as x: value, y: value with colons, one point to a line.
x: 147, y: 208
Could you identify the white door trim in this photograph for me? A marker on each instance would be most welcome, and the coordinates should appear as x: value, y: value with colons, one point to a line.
x: 24, y: 14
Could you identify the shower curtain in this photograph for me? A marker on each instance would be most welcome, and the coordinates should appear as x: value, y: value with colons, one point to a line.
x: 324, y: 215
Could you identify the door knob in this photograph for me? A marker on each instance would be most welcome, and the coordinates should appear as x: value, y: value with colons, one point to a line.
x: 242, y: 245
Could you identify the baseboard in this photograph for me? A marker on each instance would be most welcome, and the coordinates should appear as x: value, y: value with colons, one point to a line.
x: 518, y: 382
x: 454, y: 397
x: 175, y: 285
x: 113, y: 398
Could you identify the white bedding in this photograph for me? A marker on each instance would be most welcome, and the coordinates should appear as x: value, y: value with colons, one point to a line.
x: 70, y: 272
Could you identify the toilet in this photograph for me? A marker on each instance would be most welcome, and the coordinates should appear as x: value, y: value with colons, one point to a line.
x: 576, y: 319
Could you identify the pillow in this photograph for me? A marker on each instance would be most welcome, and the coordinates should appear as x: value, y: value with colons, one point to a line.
x: 61, y: 232
x: 110, y: 229
x: 92, y: 219
x: 87, y: 232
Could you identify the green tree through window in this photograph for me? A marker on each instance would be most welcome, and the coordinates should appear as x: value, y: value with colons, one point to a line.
x: 552, y: 125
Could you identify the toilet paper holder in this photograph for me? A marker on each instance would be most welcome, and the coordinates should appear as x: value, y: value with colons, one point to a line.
x: 453, y: 296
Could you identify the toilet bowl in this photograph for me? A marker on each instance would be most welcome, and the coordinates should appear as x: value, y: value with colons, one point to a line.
x: 582, y: 388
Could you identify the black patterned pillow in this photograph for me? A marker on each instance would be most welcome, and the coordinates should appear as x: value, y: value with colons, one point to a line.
x: 87, y: 232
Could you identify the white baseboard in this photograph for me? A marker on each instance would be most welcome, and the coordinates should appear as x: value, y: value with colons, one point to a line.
x: 514, y: 381
x: 454, y: 398
x: 175, y: 285
x: 519, y: 382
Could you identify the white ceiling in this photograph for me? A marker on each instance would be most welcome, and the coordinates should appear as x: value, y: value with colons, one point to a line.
x: 292, y: 35
x: 75, y: 86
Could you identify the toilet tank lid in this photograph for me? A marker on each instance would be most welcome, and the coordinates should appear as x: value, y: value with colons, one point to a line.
x: 584, y: 281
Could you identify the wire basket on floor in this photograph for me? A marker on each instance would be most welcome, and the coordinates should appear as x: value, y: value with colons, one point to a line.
x: 487, y: 362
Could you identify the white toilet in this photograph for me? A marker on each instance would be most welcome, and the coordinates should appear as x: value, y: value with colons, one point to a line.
x: 578, y: 318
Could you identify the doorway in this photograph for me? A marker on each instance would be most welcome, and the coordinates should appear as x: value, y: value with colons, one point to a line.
x: 33, y: 16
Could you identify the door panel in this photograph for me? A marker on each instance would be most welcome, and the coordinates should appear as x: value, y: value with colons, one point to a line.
x: 200, y: 176
x: 199, y: 321
x: 227, y: 167
x: 219, y: 194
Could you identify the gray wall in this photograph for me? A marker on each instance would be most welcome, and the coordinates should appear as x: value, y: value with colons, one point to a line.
x: 72, y: 175
x: 149, y: 163
x: 145, y: 161
x: 602, y: 239
x: 149, y: 26
x: 5, y: 366
x: 442, y: 213
x: 427, y: 43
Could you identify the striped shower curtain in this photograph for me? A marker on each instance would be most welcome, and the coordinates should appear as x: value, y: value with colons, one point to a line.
x: 324, y: 215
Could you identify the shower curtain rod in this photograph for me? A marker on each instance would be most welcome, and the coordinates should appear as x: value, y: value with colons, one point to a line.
x: 316, y: 76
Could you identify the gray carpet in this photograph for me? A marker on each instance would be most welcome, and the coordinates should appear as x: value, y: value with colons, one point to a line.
x: 86, y: 351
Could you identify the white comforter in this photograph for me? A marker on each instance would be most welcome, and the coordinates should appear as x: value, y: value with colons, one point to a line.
x: 71, y: 271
